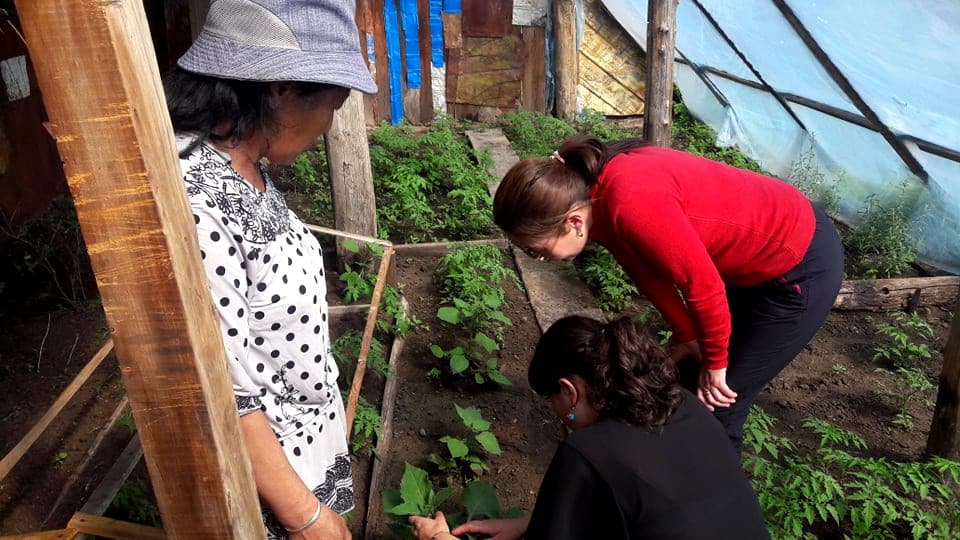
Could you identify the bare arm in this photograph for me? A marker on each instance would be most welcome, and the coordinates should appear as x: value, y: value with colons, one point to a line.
x: 279, y: 486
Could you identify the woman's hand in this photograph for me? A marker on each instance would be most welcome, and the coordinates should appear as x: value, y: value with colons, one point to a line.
x: 330, y: 525
x: 689, y: 349
x: 496, y: 529
x: 713, y: 390
x: 425, y: 528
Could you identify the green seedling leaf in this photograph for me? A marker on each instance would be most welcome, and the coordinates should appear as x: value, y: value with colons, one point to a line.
x: 458, y: 361
x: 472, y: 419
x: 489, y: 442
x: 457, y: 448
x: 484, y: 341
x: 449, y: 314
x: 492, y: 299
x: 391, y: 499
x: 480, y: 500
x: 350, y: 245
x: 437, y: 351
x: 478, y: 378
x: 498, y: 378
x: 443, y: 495
x: 415, y: 487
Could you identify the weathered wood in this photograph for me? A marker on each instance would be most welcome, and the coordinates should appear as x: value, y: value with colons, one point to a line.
x: 385, y: 265
x: 63, y: 534
x: 352, y: 236
x: 351, y: 178
x: 374, y: 495
x: 98, y: 501
x: 96, y: 67
x: 112, y: 528
x: 337, y: 311
x: 896, y: 294
x: 533, y: 85
x: 566, y: 66
x: 661, y: 40
x: 942, y: 440
x: 426, y: 53
x: 487, y: 18
x: 452, y: 30
x: 434, y: 249
x: 68, y: 486
x: 18, y: 451
x: 612, y: 67
x: 489, y: 72
x: 370, y: 21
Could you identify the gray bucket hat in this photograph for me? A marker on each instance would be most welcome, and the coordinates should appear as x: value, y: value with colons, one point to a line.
x: 281, y: 40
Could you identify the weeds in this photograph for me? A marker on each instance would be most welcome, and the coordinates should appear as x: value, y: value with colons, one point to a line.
x: 879, y: 246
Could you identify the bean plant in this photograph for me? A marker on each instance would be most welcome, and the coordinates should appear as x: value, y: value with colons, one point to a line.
x: 464, y: 453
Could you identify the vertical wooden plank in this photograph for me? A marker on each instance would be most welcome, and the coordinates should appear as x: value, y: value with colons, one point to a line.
x: 487, y: 18
x: 942, y: 440
x: 381, y: 101
x: 566, y: 59
x: 658, y: 102
x: 426, y: 88
x: 364, y: 21
x: 533, y: 86
x: 96, y: 67
x: 453, y: 76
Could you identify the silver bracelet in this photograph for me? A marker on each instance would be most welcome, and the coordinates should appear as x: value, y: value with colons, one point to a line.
x: 311, y: 521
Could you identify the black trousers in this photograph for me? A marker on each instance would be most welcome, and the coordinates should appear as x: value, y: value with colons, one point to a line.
x: 771, y: 324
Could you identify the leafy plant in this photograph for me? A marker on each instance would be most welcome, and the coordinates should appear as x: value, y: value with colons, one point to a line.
x: 395, y: 319
x: 476, y: 355
x: 480, y: 501
x: 692, y: 135
x: 366, y: 427
x: 306, y: 178
x: 910, y: 385
x: 416, y: 497
x: 812, y: 182
x: 534, y: 134
x: 833, y: 492
x: 463, y: 453
x: 127, y: 421
x: 902, y: 347
x: 602, y: 273
x: 596, y: 124
x: 134, y: 503
x: 879, y: 246
x: 346, y: 351
x: 360, y: 284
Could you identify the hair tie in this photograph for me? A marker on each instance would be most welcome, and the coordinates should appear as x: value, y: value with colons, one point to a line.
x: 556, y: 155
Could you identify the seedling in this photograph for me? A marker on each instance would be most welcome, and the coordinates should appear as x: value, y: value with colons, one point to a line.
x: 416, y: 497
x: 366, y: 427
x: 903, y: 348
x: 463, y: 453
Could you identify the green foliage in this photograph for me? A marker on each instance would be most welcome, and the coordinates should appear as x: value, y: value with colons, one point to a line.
x: 306, y: 178
x: 480, y: 502
x: 463, y: 454
x: 48, y: 250
x: 812, y: 182
x: 134, y: 503
x: 909, y: 385
x: 692, y: 135
x: 429, y: 187
x: 394, y: 318
x: 416, y: 497
x: 602, y: 273
x: 360, y: 284
x: 902, y: 346
x: 346, y: 351
x: 836, y: 493
x: 879, y: 246
x: 366, y: 427
x: 596, y: 124
x: 534, y: 134
x: 471, y: 284
x: 127, y: 421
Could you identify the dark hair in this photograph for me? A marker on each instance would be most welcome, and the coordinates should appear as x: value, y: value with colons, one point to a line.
x: 535, y: 195
x: 628, y: 375
x: 224, y: 110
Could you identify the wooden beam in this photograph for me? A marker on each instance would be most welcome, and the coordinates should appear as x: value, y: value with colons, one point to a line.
x: 352, y: 236
x: 112, y: 528
x: 661, y: 42
x: 101, y: 497
x: 942, y: 440
x: 98, y: 73
x: 351, y: 177
x: 434, y: 249
x: 18, y: 451
x: 897, y: 293
x: 385, y: 265
x: 62, y: 534
x: 426, y: 53
x: 374, y: 495
x: 566, y: 67
x: 533, y: 86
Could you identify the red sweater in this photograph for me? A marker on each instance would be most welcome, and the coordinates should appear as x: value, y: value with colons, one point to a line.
x: 676, y: 221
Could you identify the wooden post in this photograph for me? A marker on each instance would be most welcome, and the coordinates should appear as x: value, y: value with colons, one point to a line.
x: 98, y: 73
x: 661, y: 40
x: 351, y: 179
x: 943, y: 432
x: 566, y: 66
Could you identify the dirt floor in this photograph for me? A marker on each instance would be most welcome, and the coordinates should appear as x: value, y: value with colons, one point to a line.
x: 834, y: 379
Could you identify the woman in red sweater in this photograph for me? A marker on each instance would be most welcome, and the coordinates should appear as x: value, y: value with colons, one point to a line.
x: 741, y: 265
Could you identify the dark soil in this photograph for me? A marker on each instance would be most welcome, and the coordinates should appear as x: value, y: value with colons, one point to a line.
x: 834, y: 379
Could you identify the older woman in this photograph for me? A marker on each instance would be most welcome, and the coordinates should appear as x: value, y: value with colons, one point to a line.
x: 263, y: 80
x: 644, y: 460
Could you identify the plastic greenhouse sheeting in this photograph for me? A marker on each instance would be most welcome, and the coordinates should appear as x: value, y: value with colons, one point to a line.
x: 900, y: 56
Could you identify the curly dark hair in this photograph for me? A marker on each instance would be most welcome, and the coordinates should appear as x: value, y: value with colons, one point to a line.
x: 628, y: 375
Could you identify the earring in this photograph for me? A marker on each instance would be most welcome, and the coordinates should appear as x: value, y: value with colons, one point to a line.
x: 572, y: 416
x: 579, y: 233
